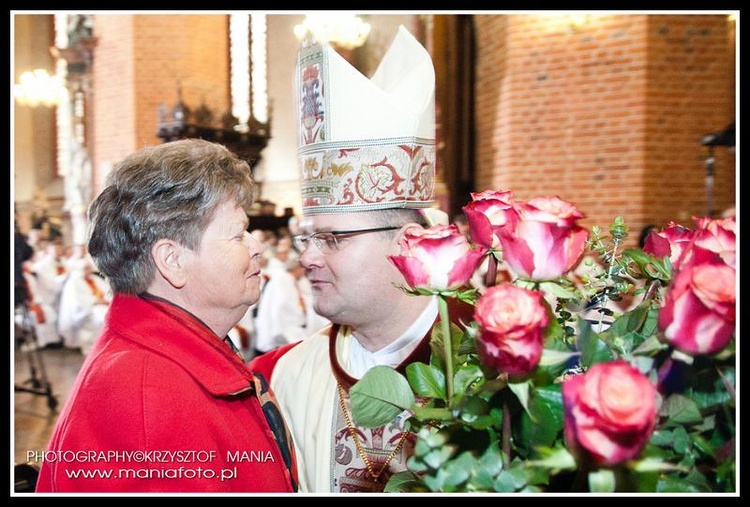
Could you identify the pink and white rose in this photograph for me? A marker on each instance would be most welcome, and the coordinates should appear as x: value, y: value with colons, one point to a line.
x: 512, y: 321
x: 698, y: 315
x: 718, y: 235
x: 546, y: 241
x: 438, y: 258
x: 487, y: 213
x: 610, y: 412
x: 670, y: 242
x: 677, y: 241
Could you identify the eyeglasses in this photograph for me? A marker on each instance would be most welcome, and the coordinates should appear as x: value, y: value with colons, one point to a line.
x: 328, y: 241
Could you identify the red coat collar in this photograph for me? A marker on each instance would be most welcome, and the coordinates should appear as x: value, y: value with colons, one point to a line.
x: 168, y: 330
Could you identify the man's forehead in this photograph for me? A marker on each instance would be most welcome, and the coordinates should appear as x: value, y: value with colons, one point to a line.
x: 332, y: 221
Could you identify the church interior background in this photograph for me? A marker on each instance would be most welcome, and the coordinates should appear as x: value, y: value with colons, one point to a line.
x: 621, y: 113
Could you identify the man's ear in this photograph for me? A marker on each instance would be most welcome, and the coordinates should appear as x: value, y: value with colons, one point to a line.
x: 410, y: 227
x: 170, y: 259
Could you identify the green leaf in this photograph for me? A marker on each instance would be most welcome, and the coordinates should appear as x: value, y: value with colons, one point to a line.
x: 557, y: 290
x: 551, y: 396
x: 552, y: 357
x: 465, y: 378
x: 643, y: 364
x: 437, y: 457
x: 649, y: 346
x: 432, y: 437
x: 629, y: 322
x: 426, y: 380
x: 468, y: 341
x: 434, y: 482
x: 662, y: 438
x: 416, y: 465
x: 556, y: 459
x: 491, y: 461
x: 637, y: 255
x: 468, y: 296
x: 459, y: 470
x: 676, y: 485
x: 649, y: 265
x: 437, y: 344
x: 653, y: 465
x: 402, y: 482
x: 521, y: 390
x: 482, y: 479
x: 602, y: 481
x: 432, y: 413
x: 510, y: 480
x: 545, y: 423
x: 681, y: 440
x: 379, y: 396
x: 681, y: 410
x: 650, y: 325
x: 704, y: 446
x: 699, y: 480
x: 475, y: 409
x: 437, y: 359
x: 713, y: 392
x: 593, y: 349
x: 726, y: 474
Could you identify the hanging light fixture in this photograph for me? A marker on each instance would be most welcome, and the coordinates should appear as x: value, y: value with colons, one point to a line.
x: 347, y: 31
x: 37, y: 88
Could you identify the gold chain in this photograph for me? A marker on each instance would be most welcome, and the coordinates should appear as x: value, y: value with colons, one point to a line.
x: 358, y: 444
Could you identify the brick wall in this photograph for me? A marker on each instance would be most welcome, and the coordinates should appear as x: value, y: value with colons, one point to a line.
x: 112, y: 135
x: 607, y: 114
x: 140, y: 59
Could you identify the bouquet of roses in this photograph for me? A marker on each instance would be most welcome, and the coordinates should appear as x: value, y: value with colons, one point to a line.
x: 587, y: 367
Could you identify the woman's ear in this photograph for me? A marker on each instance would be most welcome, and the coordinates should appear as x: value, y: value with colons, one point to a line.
x: 170, y: 261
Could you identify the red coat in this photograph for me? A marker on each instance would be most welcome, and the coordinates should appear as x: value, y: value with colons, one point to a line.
x: 161, y: 404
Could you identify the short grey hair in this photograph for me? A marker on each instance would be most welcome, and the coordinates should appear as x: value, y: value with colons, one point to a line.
x: 169, y: 191
x: 393, y: 217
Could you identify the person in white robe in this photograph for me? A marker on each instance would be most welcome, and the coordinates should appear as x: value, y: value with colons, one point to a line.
x: 284, y: 312
x: 84, y: 301
x: 49, y: 272
x: 37, y: 317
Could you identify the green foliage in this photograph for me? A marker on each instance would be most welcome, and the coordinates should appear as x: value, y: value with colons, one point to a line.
x: 379, y: 397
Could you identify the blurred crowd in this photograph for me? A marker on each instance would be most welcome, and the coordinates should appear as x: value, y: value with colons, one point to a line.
x: 62, y: 298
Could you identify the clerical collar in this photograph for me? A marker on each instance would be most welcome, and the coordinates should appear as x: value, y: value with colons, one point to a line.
x: 360, y: 359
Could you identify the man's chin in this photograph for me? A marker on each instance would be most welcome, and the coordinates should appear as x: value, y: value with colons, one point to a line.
x: 322, y: 311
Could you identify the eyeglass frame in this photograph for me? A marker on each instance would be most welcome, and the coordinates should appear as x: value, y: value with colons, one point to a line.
x: 301, y: 241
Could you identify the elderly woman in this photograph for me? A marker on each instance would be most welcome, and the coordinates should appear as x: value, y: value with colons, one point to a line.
x: 163, y: 403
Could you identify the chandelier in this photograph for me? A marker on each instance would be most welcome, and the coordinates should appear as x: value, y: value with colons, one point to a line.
x: 346, y: 31
x: 37, y: 87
